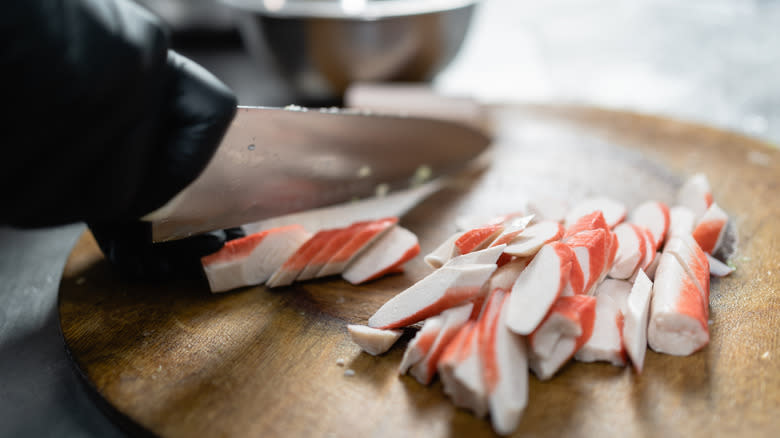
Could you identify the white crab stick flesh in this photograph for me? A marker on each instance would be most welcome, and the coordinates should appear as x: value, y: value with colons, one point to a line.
x: 563, y: 320
x: 373, y: 341
x: 529, y: 242
x: 445, y: 287
x: 681, y: 221
x: 361, y: 240
x: 505, y: 370
x: 443, y: 253
x: 614, y: 212
x: 710, y: 229
x: 487, y: 255
x: 387, y: 254
x: 678, y: 312
x: 454, y: 319
x: 591, y: 249
x: 694, y: 261
x: 654, y: 216
x: 581, y: 311
x: 333, y: 245
x: 635, y: 320
x: 538, y: 286
x: 696, y: 195
x: 461, y: 371
x: 288, y: 272
x: 591, y: 221
x: 421, y: 343
x: 250, y: 260
x: 606, y: 341
x: 630, y: 252
x: 718, y: 268
x: 462, y: 352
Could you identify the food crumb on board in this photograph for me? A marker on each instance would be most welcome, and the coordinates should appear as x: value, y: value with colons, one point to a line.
x: 765, y: 355
x: 80, y: 281
x: 349, y: 373
x: 340, y: 361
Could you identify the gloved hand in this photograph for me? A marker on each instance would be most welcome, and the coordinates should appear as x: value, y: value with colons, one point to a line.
x: 107, y: 124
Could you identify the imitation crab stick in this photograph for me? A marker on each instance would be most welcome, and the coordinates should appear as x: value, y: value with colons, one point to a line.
x: 614, y: 212
x: 696, y: 195
x: 387, y: 254
x: 591, y: 249
x: 654, y: 216
x: 678, y: 311
x: 710, y: 229
x: 630, y: 253
x: 505, y: 370
x: 567, y: 327
x: 532, y: 238
x: 606, y: 341
x: 636, y: 314
x: 445, y: 287
x: 538, y: 286
x: 361, y: 240
x: 252, y: 259
x: 373, y: 341
x: 286, y: 274
x: 454, y: 319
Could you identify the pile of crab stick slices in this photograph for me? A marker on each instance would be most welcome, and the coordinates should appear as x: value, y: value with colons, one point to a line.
x: 593, y: 282
x: 359, y: 252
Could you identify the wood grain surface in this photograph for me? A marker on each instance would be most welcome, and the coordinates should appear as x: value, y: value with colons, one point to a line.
x: 178, y: 361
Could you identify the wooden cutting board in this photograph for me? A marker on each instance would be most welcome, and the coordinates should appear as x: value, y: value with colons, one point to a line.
x: 176, y: 361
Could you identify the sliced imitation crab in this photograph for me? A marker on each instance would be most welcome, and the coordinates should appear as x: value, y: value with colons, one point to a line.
x: 539, y: 295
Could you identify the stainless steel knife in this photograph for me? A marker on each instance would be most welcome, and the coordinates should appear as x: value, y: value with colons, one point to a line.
x: 276, y: 161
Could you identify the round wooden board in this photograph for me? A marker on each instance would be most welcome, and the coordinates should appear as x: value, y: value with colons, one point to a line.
x: 178, y: 361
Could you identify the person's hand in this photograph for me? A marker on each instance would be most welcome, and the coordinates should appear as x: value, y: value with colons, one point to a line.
x: 106, y: 123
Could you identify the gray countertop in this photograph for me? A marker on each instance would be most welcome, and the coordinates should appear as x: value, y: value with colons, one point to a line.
x: 712, y: 61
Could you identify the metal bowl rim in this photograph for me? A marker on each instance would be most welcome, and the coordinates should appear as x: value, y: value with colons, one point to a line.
x: 332, y: 9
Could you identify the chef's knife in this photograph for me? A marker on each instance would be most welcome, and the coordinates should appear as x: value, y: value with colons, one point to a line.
x: 276, y: 161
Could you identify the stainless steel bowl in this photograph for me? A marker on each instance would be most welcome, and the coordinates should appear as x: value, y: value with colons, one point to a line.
x: 322, y: 46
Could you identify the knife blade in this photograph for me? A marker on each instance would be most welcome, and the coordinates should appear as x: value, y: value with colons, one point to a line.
x: 274, y: 161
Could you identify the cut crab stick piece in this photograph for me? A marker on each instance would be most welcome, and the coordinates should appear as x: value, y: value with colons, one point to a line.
x: 445, y: 287
x: 359, y: 242
x: 538, y: 286
x: 693, y: 261
x: 654, y: 216
x: 678, y: 312
x: 695, y: 194
x: 606, y: 341
x: 468, y: 373
x: 591, y: 221
x: 710, y: 229
x: 581, y: 309
x: 681, y: 221
x: 487, y: 255
x: 421, y: 343
x: 250, y: 260
x: 468, y: 222
x: 477, y: 238
x: 528, y: 242
x: 591, y: 251
x: 718, y: 268
x: 451, y: 357
x: 333, y: 245
x: 563, y: 320
x: 506, y: 372
x: 373, y: 341
x: 443, y: 253
x: 635, y: 320
x: 390, y: 251
x: 630, y: 252
x: 506, y: 275
x: 614, y: 212
x: 288, y: 272
x: 454, y: 319
x: 650, y: 246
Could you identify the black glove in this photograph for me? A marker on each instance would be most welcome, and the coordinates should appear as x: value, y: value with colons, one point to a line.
x: 106, y: 123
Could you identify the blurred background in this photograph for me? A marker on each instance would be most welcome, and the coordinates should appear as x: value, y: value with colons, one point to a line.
x: 709, y: 61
